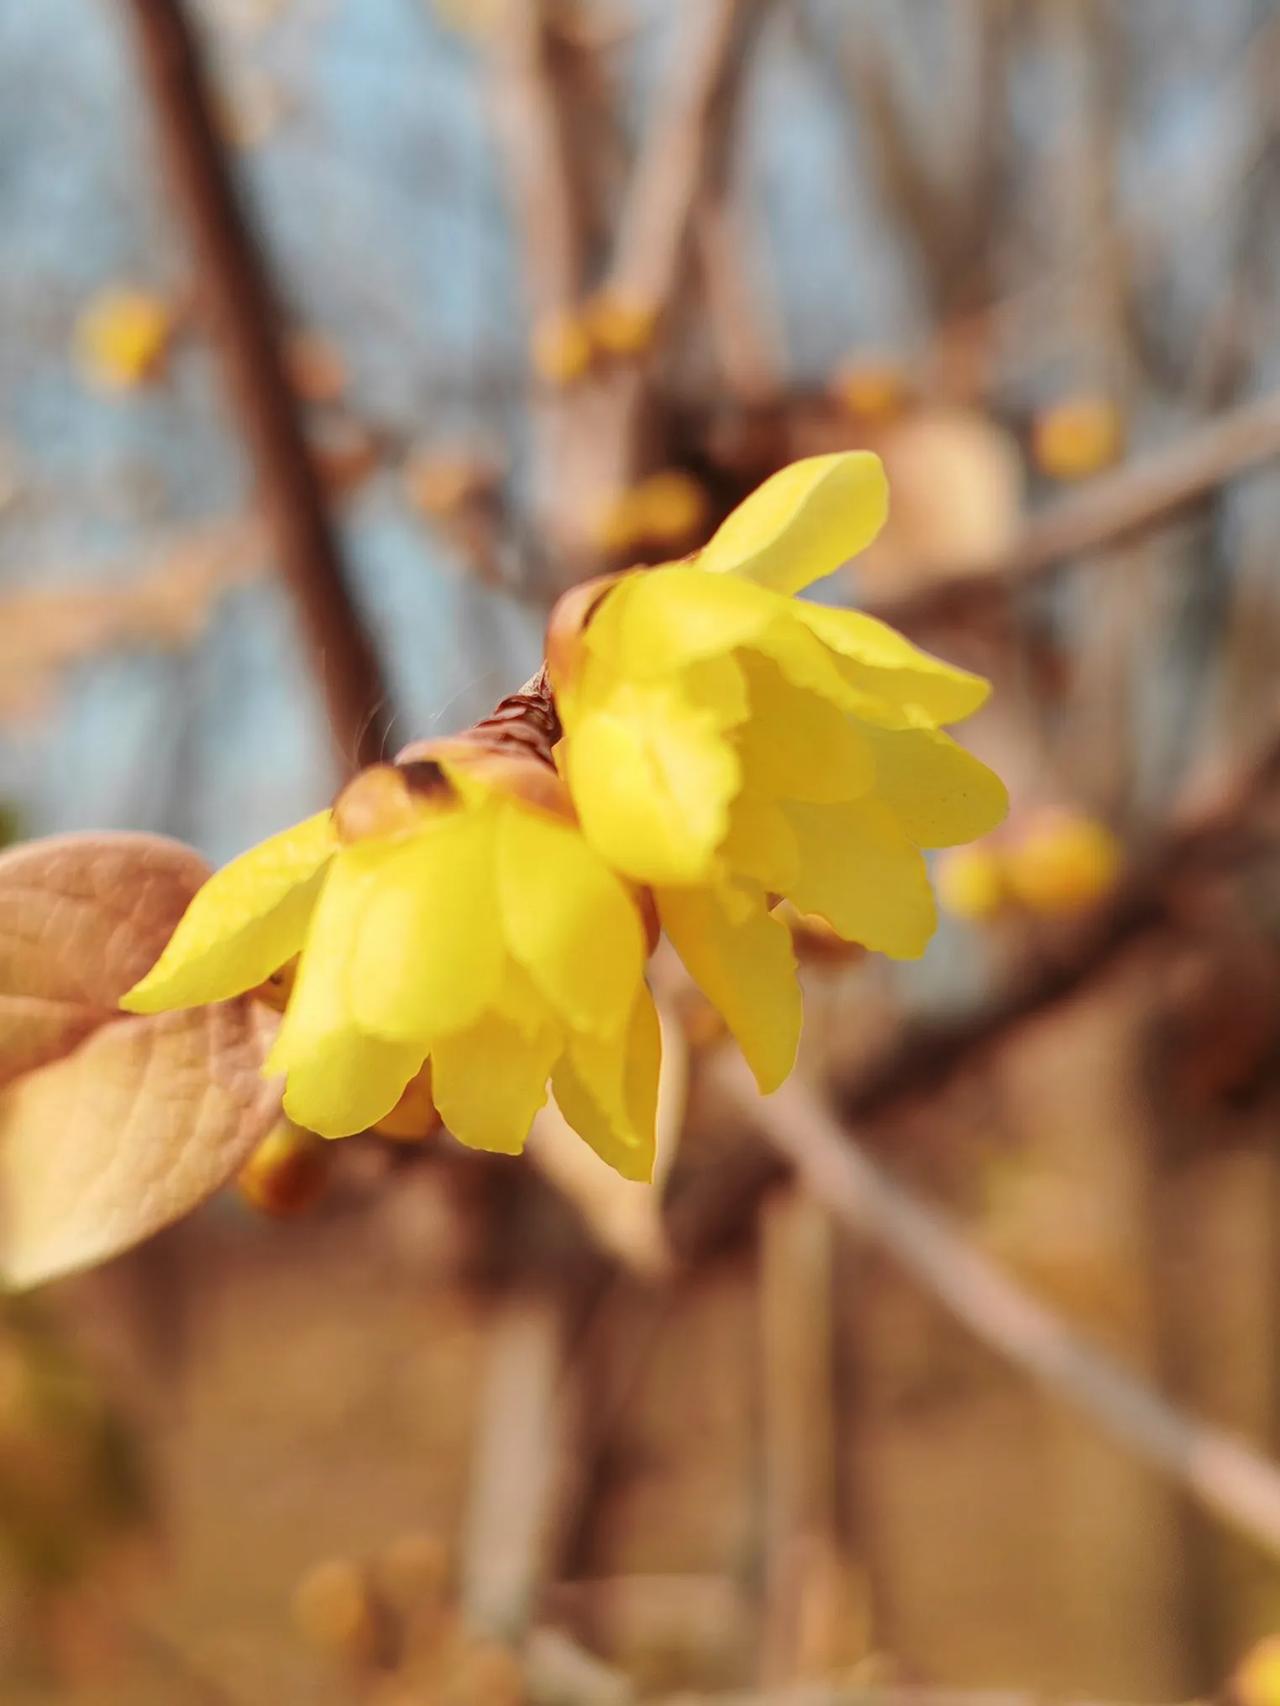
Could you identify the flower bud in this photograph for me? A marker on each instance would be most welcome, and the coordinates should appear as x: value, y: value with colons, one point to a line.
x: 1062, y: 862
x: 286, y: 1173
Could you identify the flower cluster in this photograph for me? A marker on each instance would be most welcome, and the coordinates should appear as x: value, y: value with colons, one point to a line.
x: 485, y: 907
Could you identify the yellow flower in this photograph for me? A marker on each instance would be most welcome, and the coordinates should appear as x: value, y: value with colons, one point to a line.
x: 122, y: 338
x: 1062, y: 861
x: 726, y: 743
x: 447, y: 910
x: 1077, y: 436
x: 972, y: 883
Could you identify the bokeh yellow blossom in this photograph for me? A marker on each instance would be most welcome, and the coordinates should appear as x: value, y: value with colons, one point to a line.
x: 560, y: 349
x: 287, y: 1172
x: 1076, y: 437
x: 1256, y: 1680
x: 971, y: 882
x: 726, y: 744
x: 1061, y: 861
x: 447, y: 910
x: 122, y: 338
x: 620, y: 324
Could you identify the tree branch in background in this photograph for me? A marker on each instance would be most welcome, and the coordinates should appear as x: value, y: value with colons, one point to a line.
x: 684, y: 155
x: 1110, y: 509
x: 247, y: 325
x: 1218, y: 1470
x: 532, y: 130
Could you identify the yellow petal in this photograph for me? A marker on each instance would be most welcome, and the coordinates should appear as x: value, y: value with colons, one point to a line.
x: 247, y: 920
x: 761, y: 844
x: 427, y: 955
x: 659, y: 620
x: 877, y: 659
x: 742, y: 959
x: 350, y: 1083
x: 651, y: 778
x: 859, y: 871
x: 568, y: 920
x: 940, y: 794
x: 339, y: 1080
x: 804, y: 522
x: 490, y: 1080
x: 797, y: 744
x: 608, y: 1091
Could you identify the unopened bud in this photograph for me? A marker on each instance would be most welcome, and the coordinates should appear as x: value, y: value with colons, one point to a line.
x: 1062, y: 862
x: 871, y: 389
x: 334, y: 1611
x: 122, y: 338
x: 286, y: 1173
x: 561, y: 349
x: 620, y: 324
x: 971, y: 882
x: 1077, y: 437
x: 1256, y: 1679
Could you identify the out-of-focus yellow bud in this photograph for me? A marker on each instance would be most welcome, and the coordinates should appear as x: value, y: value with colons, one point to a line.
x: 316, y: 367
x: 415, y: 1116
x: 1256, y: 1679
x: 286, y: 1173
x: 122, y: 338
x: 335, y: 1612
x: 1077, y: 437
x: 665, y: 510
x: 871, y: 388
x: 670, y: 507
x: 560, y: 349
x: 1062, y: 862
x: 621, y: 325
x: 618, y: 524
x: 971, y: 882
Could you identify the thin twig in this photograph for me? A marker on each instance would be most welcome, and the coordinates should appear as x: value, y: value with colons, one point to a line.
x: 1114, y: 507
x: 246, y: 320
x: 685, y: 152
x: 1217, y: 1469
x: 532, y: 130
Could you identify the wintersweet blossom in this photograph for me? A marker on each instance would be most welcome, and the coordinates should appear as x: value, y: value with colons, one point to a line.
x: 726, y: 743
x: 446, y: 911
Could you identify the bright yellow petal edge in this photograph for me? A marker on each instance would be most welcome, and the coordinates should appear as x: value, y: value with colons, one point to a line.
x: 243, y: 924
x: 803, y: 522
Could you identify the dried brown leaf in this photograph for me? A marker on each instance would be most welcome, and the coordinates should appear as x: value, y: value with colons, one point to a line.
x: 131, y: 1131
x: 111, y: 1126
x: 82, y: 917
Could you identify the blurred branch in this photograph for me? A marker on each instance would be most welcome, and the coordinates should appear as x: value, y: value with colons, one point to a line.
x: 523, y: 1455
x: 242, y: 304
x: 1114, y: 507
x: 685, y: 152
x: 1220, y: 1471
x: 744, y: 332
x: 532, y: 130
